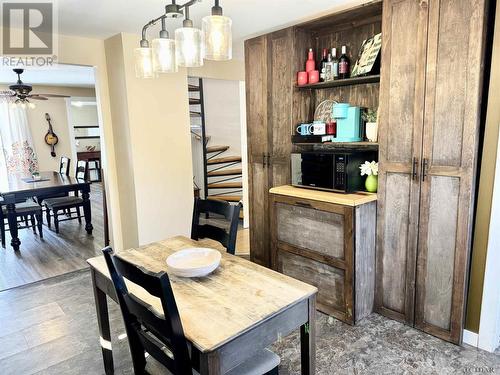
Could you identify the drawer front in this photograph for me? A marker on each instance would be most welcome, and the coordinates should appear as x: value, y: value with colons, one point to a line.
x: 310, y: 228
x: 330, y: 281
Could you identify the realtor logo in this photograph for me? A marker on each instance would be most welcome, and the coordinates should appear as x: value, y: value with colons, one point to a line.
x: 28, y: 33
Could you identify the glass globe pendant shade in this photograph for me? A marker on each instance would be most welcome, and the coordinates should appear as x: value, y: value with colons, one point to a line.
x: 217, y: 38
x: 189, y: 50
x: 143, y: 62
x: 164, y: 55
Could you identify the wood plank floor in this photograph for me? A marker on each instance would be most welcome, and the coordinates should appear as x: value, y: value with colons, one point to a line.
x: 50, y: 328
x: 55, y: 254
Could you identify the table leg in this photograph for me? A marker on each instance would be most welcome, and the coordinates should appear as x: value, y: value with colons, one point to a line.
x: 210, y: 364
x: 11, y: 217
x: 101, y: 306
x: 308, y: 341
x: 87, y: 212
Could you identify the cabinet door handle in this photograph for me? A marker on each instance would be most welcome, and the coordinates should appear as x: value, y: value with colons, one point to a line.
x: 414, y: 169
x: 263, y: 159
x: 303, y: 204
x: 425, y: 165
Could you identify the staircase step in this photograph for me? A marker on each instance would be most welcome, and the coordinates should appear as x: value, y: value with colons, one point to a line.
x: 226, y: 185
x: 225, y: 172
x: 227, y: 159
x: 194, y: 101
x: 193, y: 88
x: 217, y: 148
x: 194, y: 114
x: 227, y: 198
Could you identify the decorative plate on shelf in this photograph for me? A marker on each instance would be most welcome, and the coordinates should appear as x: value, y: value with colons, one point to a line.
x: 193, y: 262
x: 323, y: 111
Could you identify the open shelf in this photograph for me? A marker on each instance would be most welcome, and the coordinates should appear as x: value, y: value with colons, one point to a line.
x: 88, y: 137
x: 341, y: 82
x: 86, y: 127
x: 339, y: 146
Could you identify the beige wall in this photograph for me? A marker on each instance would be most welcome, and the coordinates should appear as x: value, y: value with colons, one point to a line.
x: 153, y: 114
x: 484, y: 196
x: 232, y: 70
x: 57, y: 109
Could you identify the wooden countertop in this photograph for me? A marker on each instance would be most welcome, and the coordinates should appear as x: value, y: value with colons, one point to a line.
x: 354, y: 199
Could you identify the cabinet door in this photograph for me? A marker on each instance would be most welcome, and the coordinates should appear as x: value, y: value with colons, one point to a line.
x: 400, y: 136
x: 257, y: 136
x: 451, y: 126
x: 279, y: 104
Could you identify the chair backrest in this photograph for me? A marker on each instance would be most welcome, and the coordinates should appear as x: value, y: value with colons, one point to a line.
x: 230, y: 212
x: 161, y: 336
x: 82, y: 169
x: 64, y: 165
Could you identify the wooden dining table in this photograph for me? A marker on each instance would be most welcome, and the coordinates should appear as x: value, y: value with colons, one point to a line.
x: 17, y: 188
x: 227, y: 316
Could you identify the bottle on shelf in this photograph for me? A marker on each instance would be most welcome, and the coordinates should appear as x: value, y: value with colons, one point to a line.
x: 335, y: 64
x: 322, y: 65
x: 329, y: 68
x: 310, y: 63
x: 344, y: 64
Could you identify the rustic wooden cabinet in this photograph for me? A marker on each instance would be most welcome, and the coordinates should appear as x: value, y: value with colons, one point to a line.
x: 328, y: 245
x: 269, y: 86
x: 429, y: 126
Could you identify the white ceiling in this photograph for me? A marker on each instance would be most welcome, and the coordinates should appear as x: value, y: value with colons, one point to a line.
x: 104, y: 18
x: 60, y: 75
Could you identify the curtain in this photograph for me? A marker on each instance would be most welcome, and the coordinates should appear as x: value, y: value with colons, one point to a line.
x: 18, y: 151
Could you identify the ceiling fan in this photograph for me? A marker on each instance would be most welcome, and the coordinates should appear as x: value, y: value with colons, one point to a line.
x: 20, y: 93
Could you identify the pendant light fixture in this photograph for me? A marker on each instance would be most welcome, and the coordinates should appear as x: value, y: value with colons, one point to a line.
x: 190, y: 46
x: 143, y: 60
x: 164, y: 52
x: 189, y: 43
x: 217, y: 35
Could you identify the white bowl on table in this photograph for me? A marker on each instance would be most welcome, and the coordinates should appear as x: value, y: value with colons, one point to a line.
x: 193, y: 262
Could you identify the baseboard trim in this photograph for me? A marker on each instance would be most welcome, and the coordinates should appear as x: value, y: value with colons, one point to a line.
x: 470, y: 338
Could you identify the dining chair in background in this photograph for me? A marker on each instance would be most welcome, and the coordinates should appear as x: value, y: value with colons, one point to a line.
x: 61, y: 205
x: 160, y: 333
x: 24, y: 210
x: 231, y: 215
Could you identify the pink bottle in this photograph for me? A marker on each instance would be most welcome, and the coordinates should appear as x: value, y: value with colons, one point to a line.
x: 310, y: 63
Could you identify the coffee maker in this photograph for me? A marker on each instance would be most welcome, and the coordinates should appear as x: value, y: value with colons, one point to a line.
x: 349, y: 123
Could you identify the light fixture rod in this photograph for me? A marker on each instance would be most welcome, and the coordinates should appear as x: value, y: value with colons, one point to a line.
x: 144, y: 40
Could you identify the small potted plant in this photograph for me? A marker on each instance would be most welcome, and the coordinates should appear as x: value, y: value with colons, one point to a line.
x: 370, y: 170
x: 371, y: 127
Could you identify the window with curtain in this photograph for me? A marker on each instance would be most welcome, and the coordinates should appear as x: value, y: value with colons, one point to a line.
x: 18, y: 154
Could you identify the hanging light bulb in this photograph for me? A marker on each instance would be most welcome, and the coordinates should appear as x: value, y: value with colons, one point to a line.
x: 164, y: 52
x: 143, y: 61
x: 23, y: 105
x: 217, y: 35
x: 188, y: 43
x: 31, y: 105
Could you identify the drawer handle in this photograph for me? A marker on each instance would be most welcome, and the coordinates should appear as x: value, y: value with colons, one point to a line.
x: 303, y: 204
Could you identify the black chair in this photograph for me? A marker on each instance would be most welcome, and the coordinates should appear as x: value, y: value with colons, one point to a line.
x: 66, y: 203
x: 230, y: 212
x: 64, y: 164
x: 162, y: 335
x: 24, y: 211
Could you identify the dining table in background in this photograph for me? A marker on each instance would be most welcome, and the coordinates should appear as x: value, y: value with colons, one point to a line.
x: 227, y: 316
x: 17, y: 188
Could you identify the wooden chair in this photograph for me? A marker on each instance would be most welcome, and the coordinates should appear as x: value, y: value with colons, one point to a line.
x: 161, y: 334
x: 230, y: 212
x: 66, y: 203
x: 24, y: 211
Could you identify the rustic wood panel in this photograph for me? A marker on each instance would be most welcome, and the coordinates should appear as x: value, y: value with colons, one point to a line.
x: 329, y: 280
x: 365, y: 227
x: 443, y: 209
x: 452, y: 109
x: 256, y: 95
x: 311, y: 229
x: 257, y: 133
x: 402, y: 90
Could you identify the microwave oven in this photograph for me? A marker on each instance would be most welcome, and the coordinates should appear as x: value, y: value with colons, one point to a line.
x: 330, y: 171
